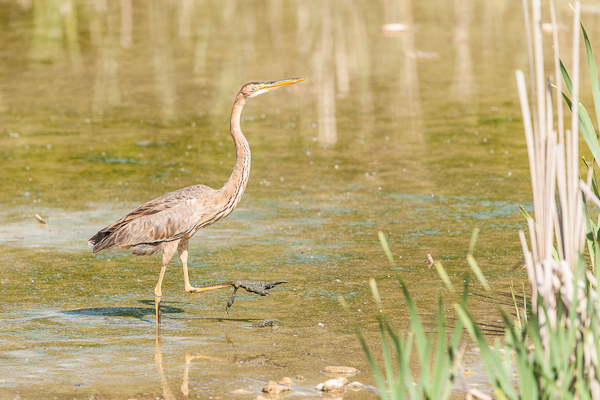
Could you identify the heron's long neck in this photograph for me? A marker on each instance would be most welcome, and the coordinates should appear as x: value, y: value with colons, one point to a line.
x: 235, y: 186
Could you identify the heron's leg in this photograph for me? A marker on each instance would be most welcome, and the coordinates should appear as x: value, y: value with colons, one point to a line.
x: 250, y: 286
x: 183, y: 255
x: 168, y: 253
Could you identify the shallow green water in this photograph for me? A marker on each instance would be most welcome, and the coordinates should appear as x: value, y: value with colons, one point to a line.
x: 105, y: 105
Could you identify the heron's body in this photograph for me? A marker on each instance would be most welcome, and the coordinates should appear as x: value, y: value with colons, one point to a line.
x: 175, y: 216
x: 166, y: 223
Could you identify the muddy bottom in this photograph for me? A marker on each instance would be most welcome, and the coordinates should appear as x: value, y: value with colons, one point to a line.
x: 78, y: 325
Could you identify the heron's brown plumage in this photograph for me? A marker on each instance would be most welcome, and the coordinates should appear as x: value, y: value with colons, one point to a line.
x: 179, y: 214
x: 165, y: 218
x: 166, y: 223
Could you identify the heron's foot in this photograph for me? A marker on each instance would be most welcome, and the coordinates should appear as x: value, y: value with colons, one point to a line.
x: 258, y: 287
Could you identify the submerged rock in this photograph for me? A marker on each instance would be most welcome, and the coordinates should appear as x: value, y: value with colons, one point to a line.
x: 286, y: 381
x: 332, y: 385
x: 355, y: 385
x: 340, y: 370
x: 238, y: 391
x: 275, y: 388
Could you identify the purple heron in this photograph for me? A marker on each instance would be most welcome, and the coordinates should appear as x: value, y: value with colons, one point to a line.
x: 167, y: 223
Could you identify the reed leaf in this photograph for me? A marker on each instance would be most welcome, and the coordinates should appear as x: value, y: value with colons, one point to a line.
x: 593, y: 73
x: 585, y: 123
x: 473, y: 241
x: 386, y: 248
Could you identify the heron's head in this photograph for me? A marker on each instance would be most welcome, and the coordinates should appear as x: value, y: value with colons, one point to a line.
x: 254, y: 89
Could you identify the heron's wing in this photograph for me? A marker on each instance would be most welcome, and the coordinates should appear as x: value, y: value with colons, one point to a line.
x: 166, y: 225
x: 165, y: 218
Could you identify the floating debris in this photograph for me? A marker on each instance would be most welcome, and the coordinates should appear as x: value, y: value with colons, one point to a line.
x: 584, y: 9
x: 238, y: 391
x: 275, y: 388
x: 473, y: 394
x: 430, y: 261
x: 547, y: 28
x: 421, y: 54
x: 394, y: 29
x: 40, y: 219
x: 339, y: 370
x: 355, y: 385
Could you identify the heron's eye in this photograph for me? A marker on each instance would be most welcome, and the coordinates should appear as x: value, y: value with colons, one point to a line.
x: 253, y: 88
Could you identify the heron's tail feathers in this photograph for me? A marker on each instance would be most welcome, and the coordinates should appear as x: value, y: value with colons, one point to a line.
x: 100, y: 241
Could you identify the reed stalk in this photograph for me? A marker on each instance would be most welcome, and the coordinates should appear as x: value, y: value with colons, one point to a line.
x: 556, y: 347
x: 564, y: 292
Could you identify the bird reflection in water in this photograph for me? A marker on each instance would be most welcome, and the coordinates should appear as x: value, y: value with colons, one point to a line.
x: 249, y: 362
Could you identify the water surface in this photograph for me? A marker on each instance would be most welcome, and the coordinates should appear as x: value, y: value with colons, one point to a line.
x: 107, y: 104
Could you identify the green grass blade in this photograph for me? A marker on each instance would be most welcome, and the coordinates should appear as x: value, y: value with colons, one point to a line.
x: 525, y: 213
x: 387, y: 360
x: 587, y: 129
x: 416, y: 326
x: 527, y: 380
x: 442, y: 273
x: 403, y: 382
x: 386, y: 248
x: 379, y: 380
x: 525, y: 316
x: 459, y: 325
x: 590, y: 233
x: 566, y: 78
x: 387, y: 357
x: 597, y: 275
x: 473, y: 240
x: 441, y: 365
x: 478, y: 273
x: 583, y: 390
x: 406, y: 364
x: 512, y: 293
x: 595, y: 182
x: 492, y: 361
x: 593, y: 73
x: 596, y: 337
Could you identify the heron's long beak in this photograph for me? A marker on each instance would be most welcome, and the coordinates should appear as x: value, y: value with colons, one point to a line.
x: 268, y: 86
x: 277, y: 84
